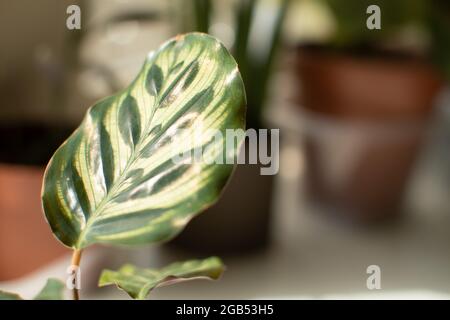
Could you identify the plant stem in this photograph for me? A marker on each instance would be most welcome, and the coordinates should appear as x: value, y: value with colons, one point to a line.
x: 76, y: 258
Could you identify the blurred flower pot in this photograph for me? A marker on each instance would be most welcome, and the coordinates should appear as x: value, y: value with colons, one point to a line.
x: 239, y: 222
x: 26, y: 242
x: 359, y: 169
x: 364, y: 120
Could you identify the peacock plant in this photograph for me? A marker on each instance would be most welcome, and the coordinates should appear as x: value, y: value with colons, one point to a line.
x: 114, y: 180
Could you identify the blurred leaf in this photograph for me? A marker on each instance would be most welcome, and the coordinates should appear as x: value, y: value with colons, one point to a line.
x: 395, y: 16
x: 244, y: 16
x: 260, y: 71
x: 202, y: 10
x: 256, y: 74
x: 138, y: 282
x: 138, y: 16
x: 53, y: 290
x: 440, y: 31
x: 9, y: 296
x: 114, y: 180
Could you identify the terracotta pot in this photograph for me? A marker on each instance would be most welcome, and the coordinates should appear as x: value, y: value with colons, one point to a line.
x: 356, y: 170
x: 26, y: 242
x: 366, y: 119
x: 366, y: 88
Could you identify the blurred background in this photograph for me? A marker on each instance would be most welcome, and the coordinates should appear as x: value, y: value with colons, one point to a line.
x: 364, y: 119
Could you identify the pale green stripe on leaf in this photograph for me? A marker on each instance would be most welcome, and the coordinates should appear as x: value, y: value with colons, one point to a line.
x: 114, y: 181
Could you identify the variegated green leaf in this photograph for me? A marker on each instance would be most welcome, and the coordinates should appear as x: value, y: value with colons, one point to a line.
x: 53, y: 290
x: 114, y: 180
x: 138, y: 282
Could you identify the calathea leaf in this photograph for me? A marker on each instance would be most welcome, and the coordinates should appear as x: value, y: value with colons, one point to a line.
x: 138, y: 282
x: 114, y: 180
x: 53, y: 290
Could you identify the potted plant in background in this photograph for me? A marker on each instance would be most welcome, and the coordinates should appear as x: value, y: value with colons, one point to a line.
x: 115, y: 180
x: 35, y: 85
x: 244, y: 209
x: 366, y: 99
x: 43, y: 82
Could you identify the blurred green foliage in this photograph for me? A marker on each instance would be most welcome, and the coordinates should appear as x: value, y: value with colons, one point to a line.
x: 432, y: 17
x: 396, y: 15
x: 439, y: 26
x: 255, y: 67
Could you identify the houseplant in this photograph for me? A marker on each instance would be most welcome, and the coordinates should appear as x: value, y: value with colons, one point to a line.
x: 249, y: 195
x: 372, y: 93
x: 114, y: 180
